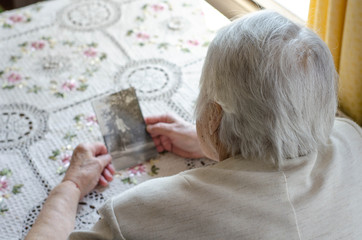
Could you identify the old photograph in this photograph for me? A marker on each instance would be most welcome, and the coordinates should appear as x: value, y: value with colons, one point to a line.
x: 123, y: 129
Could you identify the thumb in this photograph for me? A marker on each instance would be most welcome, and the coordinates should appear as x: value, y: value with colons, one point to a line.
x: 160, y: 129
x: 98, y: 148
x: 104, y: 160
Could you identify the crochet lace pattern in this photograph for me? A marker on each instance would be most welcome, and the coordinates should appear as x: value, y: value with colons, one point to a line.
x: 56, y: 58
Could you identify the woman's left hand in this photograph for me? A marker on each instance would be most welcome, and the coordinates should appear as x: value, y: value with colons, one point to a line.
x: 90, y: 165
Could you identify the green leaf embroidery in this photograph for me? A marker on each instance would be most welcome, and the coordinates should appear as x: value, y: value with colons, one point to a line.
x: 46, y: 38
x: 154, y: 170
x: 59, y: 94
x: 207, y: 43
x: 186, y: 50
x: 61, y: 170
x: 6, y: 172
x: 103, y: 56
x: 129, y: 180
x: 68, y: 43
x: 140, y: 19
x: 82, y: 87
x: 3, y: 208
x: 24, y: 44
x: 89, y: 72
x: 55, y: 154
x: 78, y: 117
x: 5, y: 86
x: 17, y: 188
x: 93, y: 44
x: 6, y: 25
x: 163, y: 45
x: 70, y: 136
x: 14, y: 58
x: 129, y: 32
x: 34, y: 89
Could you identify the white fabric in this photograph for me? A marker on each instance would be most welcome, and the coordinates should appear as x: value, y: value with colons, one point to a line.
x: 56, y: 57
x: 317, y: 196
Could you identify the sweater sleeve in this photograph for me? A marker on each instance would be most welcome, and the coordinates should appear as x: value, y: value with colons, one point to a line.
x: 106, y: 228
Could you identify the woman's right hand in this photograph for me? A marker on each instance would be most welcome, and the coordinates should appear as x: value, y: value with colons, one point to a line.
x: 175, y: 135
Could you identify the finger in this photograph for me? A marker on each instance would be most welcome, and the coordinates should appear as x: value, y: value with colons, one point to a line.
x: 166, y: 118
x: 160, y: 149
x: 104, y: 160
x: 102, y: 181
x: 111, y: 168
x: 160, y: 129
x: 156, y: 141
x: 166, y: 143
x: 107, y: 175
x: 98, y: 148
x: 158, y: 144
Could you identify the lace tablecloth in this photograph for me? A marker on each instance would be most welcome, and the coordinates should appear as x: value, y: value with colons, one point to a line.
x: 58, y: 56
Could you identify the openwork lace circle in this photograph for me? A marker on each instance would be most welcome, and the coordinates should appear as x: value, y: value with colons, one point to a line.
x: 21, y: 124
x: 87, y: 214
x: 153, y: 79
x: 89, y: 15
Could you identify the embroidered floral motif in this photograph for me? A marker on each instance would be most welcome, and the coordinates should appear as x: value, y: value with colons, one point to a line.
x: 12, y: 78
x: 63, y: 154
x: 137, y: 170
x: 16, y: 18
x: 129, y: 176
x: 143, y: 37
x: 153, y: 168
x: 38, y: 45
x: 89, y: 54
x: 85, y: 121
x: 69, y: 85
x: 5, y: 190
x: 193, y: 42
x: 157, y: 7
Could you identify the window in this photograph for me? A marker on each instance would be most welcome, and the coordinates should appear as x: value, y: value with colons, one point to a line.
x: 296, y: 10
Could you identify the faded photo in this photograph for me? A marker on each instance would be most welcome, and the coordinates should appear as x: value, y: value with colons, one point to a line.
x: 123, y: 129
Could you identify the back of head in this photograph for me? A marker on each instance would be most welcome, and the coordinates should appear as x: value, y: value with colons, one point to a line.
x: 276, y: 83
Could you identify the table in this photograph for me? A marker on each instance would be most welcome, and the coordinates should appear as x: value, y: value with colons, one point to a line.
x: 56, y: 58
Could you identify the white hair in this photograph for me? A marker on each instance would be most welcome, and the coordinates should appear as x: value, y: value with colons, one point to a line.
x: 276, y: 83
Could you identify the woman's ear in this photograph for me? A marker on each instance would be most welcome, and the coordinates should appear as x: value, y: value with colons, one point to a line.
x: 215, y: 117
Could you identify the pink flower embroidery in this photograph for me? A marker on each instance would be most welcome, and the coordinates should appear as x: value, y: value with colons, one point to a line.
x: 66, y: 160
x: 193, y: 42
x: 38, y: 45
x: 91, y: 120
x: 3, y: 183
x: 16, y: 18
x: 14, y: 77
x: 137, y: 170
x: 143, y: 36
x: 90, y: 52
x: 69, y: 85
x: 157, y: 7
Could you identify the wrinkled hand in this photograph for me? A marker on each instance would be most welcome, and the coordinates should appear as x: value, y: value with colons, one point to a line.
x: 90, y: 165
x: 174, y: 135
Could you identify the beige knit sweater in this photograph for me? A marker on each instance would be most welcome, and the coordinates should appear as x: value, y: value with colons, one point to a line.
x: 318, y: 196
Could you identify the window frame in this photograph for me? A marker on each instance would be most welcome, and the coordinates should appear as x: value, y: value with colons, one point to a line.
x: 234, y: 8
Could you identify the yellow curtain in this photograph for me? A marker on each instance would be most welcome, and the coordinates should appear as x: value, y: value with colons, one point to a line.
x: 339, y: 24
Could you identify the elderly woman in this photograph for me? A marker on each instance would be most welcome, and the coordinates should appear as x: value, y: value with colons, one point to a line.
x: 287, y: 170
